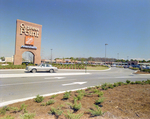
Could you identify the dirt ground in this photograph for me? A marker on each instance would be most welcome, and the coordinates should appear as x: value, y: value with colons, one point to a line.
x: 123, y: 102
x: 140, y: 72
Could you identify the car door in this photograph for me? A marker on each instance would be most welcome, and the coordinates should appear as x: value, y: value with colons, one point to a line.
x: 48, y: 67
x: 42, y: 68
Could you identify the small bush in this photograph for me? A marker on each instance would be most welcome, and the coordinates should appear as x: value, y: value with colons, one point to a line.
x: 148, y: 81
x: 127, y: 81
x: 100, y: 94
x: 15, y: 109
x: 3, y: 111
x: 79, y: 96
x: 96, y: 90
x: 66, y: 95
x: 76, y: 106
x: 53, y: 96
x: 23, y: 107
x: 132, y: 82
x: 55, y: 111
x: 50, y: 102
x: 96, y: 112
x: 115, y: 84
x: 39, y: 99
x: 119, y: 83
x: 28, y: 116
x: 110, y: 86
x: 138, y: 82
x: 98, y: 86
x: 43, y: 104
x: 8, y: 117
x: 70, y: 115
x: 99, y: 101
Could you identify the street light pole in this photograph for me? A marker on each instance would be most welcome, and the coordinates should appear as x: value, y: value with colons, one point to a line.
x: 51, y: 56
x: 105, y: 53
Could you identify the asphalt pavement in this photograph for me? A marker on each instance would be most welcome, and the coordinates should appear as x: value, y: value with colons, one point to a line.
x: 19, y: 85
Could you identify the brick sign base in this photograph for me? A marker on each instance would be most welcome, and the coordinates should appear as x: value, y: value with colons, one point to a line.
x: 28, y: 38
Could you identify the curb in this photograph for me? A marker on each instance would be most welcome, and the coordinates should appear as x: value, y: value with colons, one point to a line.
x: 25, y: 99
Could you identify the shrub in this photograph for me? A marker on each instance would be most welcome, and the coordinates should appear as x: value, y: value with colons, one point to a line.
x: 99, y: 101
x: 119, y: 83
x: 96, y: 112
x: 23, y: 107
x: 50, y: 102
x: 3, y: 111
x: 100, y: 94
x: 55, y: 111
x: 79, y: 96
x: 8, y: 117
x: 148, y: 81
x: 70, y: 115
x: 43, y: 104
x: 66, y: 95
x: 138, y: 82
x: 28, y: 116
x: 53, y: 96
x: 15, y: 109
x: 110, y: 86
x: 127, y: 81
x: 98, y: 86
x: 76, y: 106
x: 115, y: 84
x: 39, y: 99
x: 132, y: 83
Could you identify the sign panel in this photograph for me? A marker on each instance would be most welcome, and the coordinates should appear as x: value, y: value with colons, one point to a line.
x: 29, y: 40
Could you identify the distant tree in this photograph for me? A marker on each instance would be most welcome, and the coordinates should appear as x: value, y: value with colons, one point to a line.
x: 90, y: 59
x: 71, y: 59
x: 143, y: 61
x: 131, y: 60
x: 2, y: 58
x: 82, y: 60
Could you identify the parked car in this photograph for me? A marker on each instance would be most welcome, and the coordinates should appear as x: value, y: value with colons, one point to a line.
x: 42, y: 67
x: 126, y: 66
x: 114, y: 65
x: 147, y: 67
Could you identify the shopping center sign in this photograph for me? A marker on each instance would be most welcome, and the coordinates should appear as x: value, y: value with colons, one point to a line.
x: 28, y: 38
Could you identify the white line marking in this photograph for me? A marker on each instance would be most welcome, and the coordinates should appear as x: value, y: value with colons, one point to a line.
x: 80, y: 83
x: 33, y: 82
x: 39, y: 74
x: 55, y: 77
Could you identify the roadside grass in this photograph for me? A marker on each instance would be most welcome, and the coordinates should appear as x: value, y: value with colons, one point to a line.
x: 97, y: 68
x: 76, y: 101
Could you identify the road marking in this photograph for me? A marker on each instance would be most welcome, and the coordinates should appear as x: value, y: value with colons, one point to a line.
x: 54, y: 77
x: 39, y: 74
x: 80, y: 83
x: 33, y: 82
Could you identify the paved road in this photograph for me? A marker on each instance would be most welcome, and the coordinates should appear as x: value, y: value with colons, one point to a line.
x: 18, y: 84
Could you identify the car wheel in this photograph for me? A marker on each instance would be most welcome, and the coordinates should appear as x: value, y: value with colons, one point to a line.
x: 33, y: 70
x: 51, y: 71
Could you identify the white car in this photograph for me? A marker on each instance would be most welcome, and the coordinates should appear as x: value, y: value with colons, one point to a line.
x: 42, y: 67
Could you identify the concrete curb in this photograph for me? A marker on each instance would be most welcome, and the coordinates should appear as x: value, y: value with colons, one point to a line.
x: 139, y: 74
x: 25, y: 99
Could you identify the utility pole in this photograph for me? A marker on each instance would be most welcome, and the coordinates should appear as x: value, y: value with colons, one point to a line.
x: 51, y: 56
x: 105, y: 53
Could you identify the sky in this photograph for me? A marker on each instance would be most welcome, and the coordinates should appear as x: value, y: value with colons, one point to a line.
x: 81, y: 28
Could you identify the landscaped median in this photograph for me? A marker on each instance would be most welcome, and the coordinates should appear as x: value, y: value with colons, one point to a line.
x: 59, y: 66
x: 119, y: 100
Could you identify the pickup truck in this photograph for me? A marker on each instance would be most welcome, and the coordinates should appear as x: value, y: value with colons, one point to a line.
x: 42, y: 67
